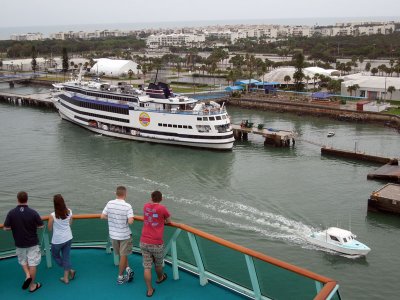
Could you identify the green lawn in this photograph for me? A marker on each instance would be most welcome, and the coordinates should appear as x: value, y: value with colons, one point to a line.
x: 394, y: 111
x: 180, y: 89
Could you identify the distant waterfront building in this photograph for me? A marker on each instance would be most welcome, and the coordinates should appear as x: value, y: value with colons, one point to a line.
x: 195, y: 36
x: 167, y: 40
x: 113, y: 67
x: 356, y: 28
x: 27, y: 37
x: 90, y: 35
x: 371, y: 87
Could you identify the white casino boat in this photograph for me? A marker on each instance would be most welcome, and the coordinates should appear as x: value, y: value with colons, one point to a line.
x: 339, y: 240
x: 123, y: 112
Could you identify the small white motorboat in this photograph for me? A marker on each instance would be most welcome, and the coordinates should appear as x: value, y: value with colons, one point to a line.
x: 331, y: 133
x: 339, y: 240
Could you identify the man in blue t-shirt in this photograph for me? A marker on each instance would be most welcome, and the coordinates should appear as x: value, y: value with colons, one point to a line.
x: 24, y: 222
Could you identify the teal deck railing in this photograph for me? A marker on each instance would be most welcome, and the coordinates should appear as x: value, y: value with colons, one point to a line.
x: 208, y: 257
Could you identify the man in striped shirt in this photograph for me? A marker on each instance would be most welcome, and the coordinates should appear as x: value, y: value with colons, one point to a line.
x: 120, y: 215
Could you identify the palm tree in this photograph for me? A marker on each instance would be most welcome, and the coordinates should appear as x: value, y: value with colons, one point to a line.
x: 355, y: 87
x: 250, y: 61
x: 307, y: 78
x: 130, y: 74
x: 287, y: 80
x: 350, y: 90
x: 397, y: 69
x: 391, y: 63
x: 382, y: 68
x: 368, y: 66
x: 315, y: 77
x: 144, y: 72
x: 391, y: 89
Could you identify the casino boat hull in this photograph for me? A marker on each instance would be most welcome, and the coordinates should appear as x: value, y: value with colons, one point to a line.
x: 120, y: 111
x: 137, y: 137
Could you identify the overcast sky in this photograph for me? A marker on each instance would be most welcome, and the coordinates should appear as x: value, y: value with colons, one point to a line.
x: 72, y: 12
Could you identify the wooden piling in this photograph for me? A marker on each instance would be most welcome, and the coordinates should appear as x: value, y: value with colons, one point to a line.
x: 273, y: 137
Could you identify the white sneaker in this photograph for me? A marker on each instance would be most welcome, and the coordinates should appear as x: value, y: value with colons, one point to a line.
x: 130, y: 274
x: 122, y: 279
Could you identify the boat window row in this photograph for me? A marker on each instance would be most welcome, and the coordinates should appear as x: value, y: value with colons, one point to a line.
x: 101, y: 95
x: 222, y: 128
x: 203, y: 128
x: 175, y: 126
x: 91, y: 105
x: 95, y: 115
x: 216, y: 118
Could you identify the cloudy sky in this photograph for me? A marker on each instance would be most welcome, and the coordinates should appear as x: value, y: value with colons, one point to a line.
x: 72, y: 12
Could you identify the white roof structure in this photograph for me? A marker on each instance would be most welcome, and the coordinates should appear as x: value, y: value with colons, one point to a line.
x: 113, y: 67
x: 371, y: 82
x: 278, y: 75
x: 339, y: 232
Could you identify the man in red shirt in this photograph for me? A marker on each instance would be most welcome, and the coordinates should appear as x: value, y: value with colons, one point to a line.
x: 151, y: 241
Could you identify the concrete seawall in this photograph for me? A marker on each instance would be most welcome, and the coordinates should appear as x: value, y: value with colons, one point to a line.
x: 316, y: 110
x: 355, y: 155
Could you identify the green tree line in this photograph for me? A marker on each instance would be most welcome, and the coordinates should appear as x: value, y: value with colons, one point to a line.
x: 116, y: 46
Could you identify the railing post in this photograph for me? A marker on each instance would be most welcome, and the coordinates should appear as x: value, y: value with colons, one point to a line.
x: 45, y: 238
x: 197, y: 257
x: 108, y: 246
x: 173, y: 238
x: 253, y: 277
x: 174, y: 253
x: 108, y: 250
x: 318, y: 286
x: 116, y: 259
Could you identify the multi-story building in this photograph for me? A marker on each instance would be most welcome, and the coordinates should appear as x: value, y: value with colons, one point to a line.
x: 166, y: 40
x: 27, y: 37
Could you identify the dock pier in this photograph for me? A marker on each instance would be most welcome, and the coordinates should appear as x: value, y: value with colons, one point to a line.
x: 43, y: 100
x: 386, y: 199
x: 274, y: 137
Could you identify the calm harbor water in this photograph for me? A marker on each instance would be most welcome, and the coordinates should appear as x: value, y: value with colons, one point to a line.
x: 262, y: 198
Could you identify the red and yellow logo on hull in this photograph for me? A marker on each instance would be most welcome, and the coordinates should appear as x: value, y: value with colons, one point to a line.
x: 144, y: 119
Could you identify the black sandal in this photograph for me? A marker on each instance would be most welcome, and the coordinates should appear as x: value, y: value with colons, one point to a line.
x: 38, y: 286
x: 26, y: 283
x: 164, y: 277
x: 148, y: 295
x: 72, y: 274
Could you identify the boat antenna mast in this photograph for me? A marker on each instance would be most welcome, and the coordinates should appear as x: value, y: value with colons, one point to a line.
x: 349, y: 221
x: 155, y: 79
x: 80, y: 75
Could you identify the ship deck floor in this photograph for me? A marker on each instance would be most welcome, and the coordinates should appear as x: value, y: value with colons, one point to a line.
x: 96, y: 279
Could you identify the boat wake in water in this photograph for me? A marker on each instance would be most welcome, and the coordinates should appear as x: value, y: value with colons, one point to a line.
x: 269, y: 225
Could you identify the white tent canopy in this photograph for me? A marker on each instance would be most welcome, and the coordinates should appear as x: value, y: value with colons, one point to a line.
x: 113, y: 67
x: 278, y: 75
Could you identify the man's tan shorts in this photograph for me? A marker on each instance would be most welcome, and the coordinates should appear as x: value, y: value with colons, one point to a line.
x: 123, y: 247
